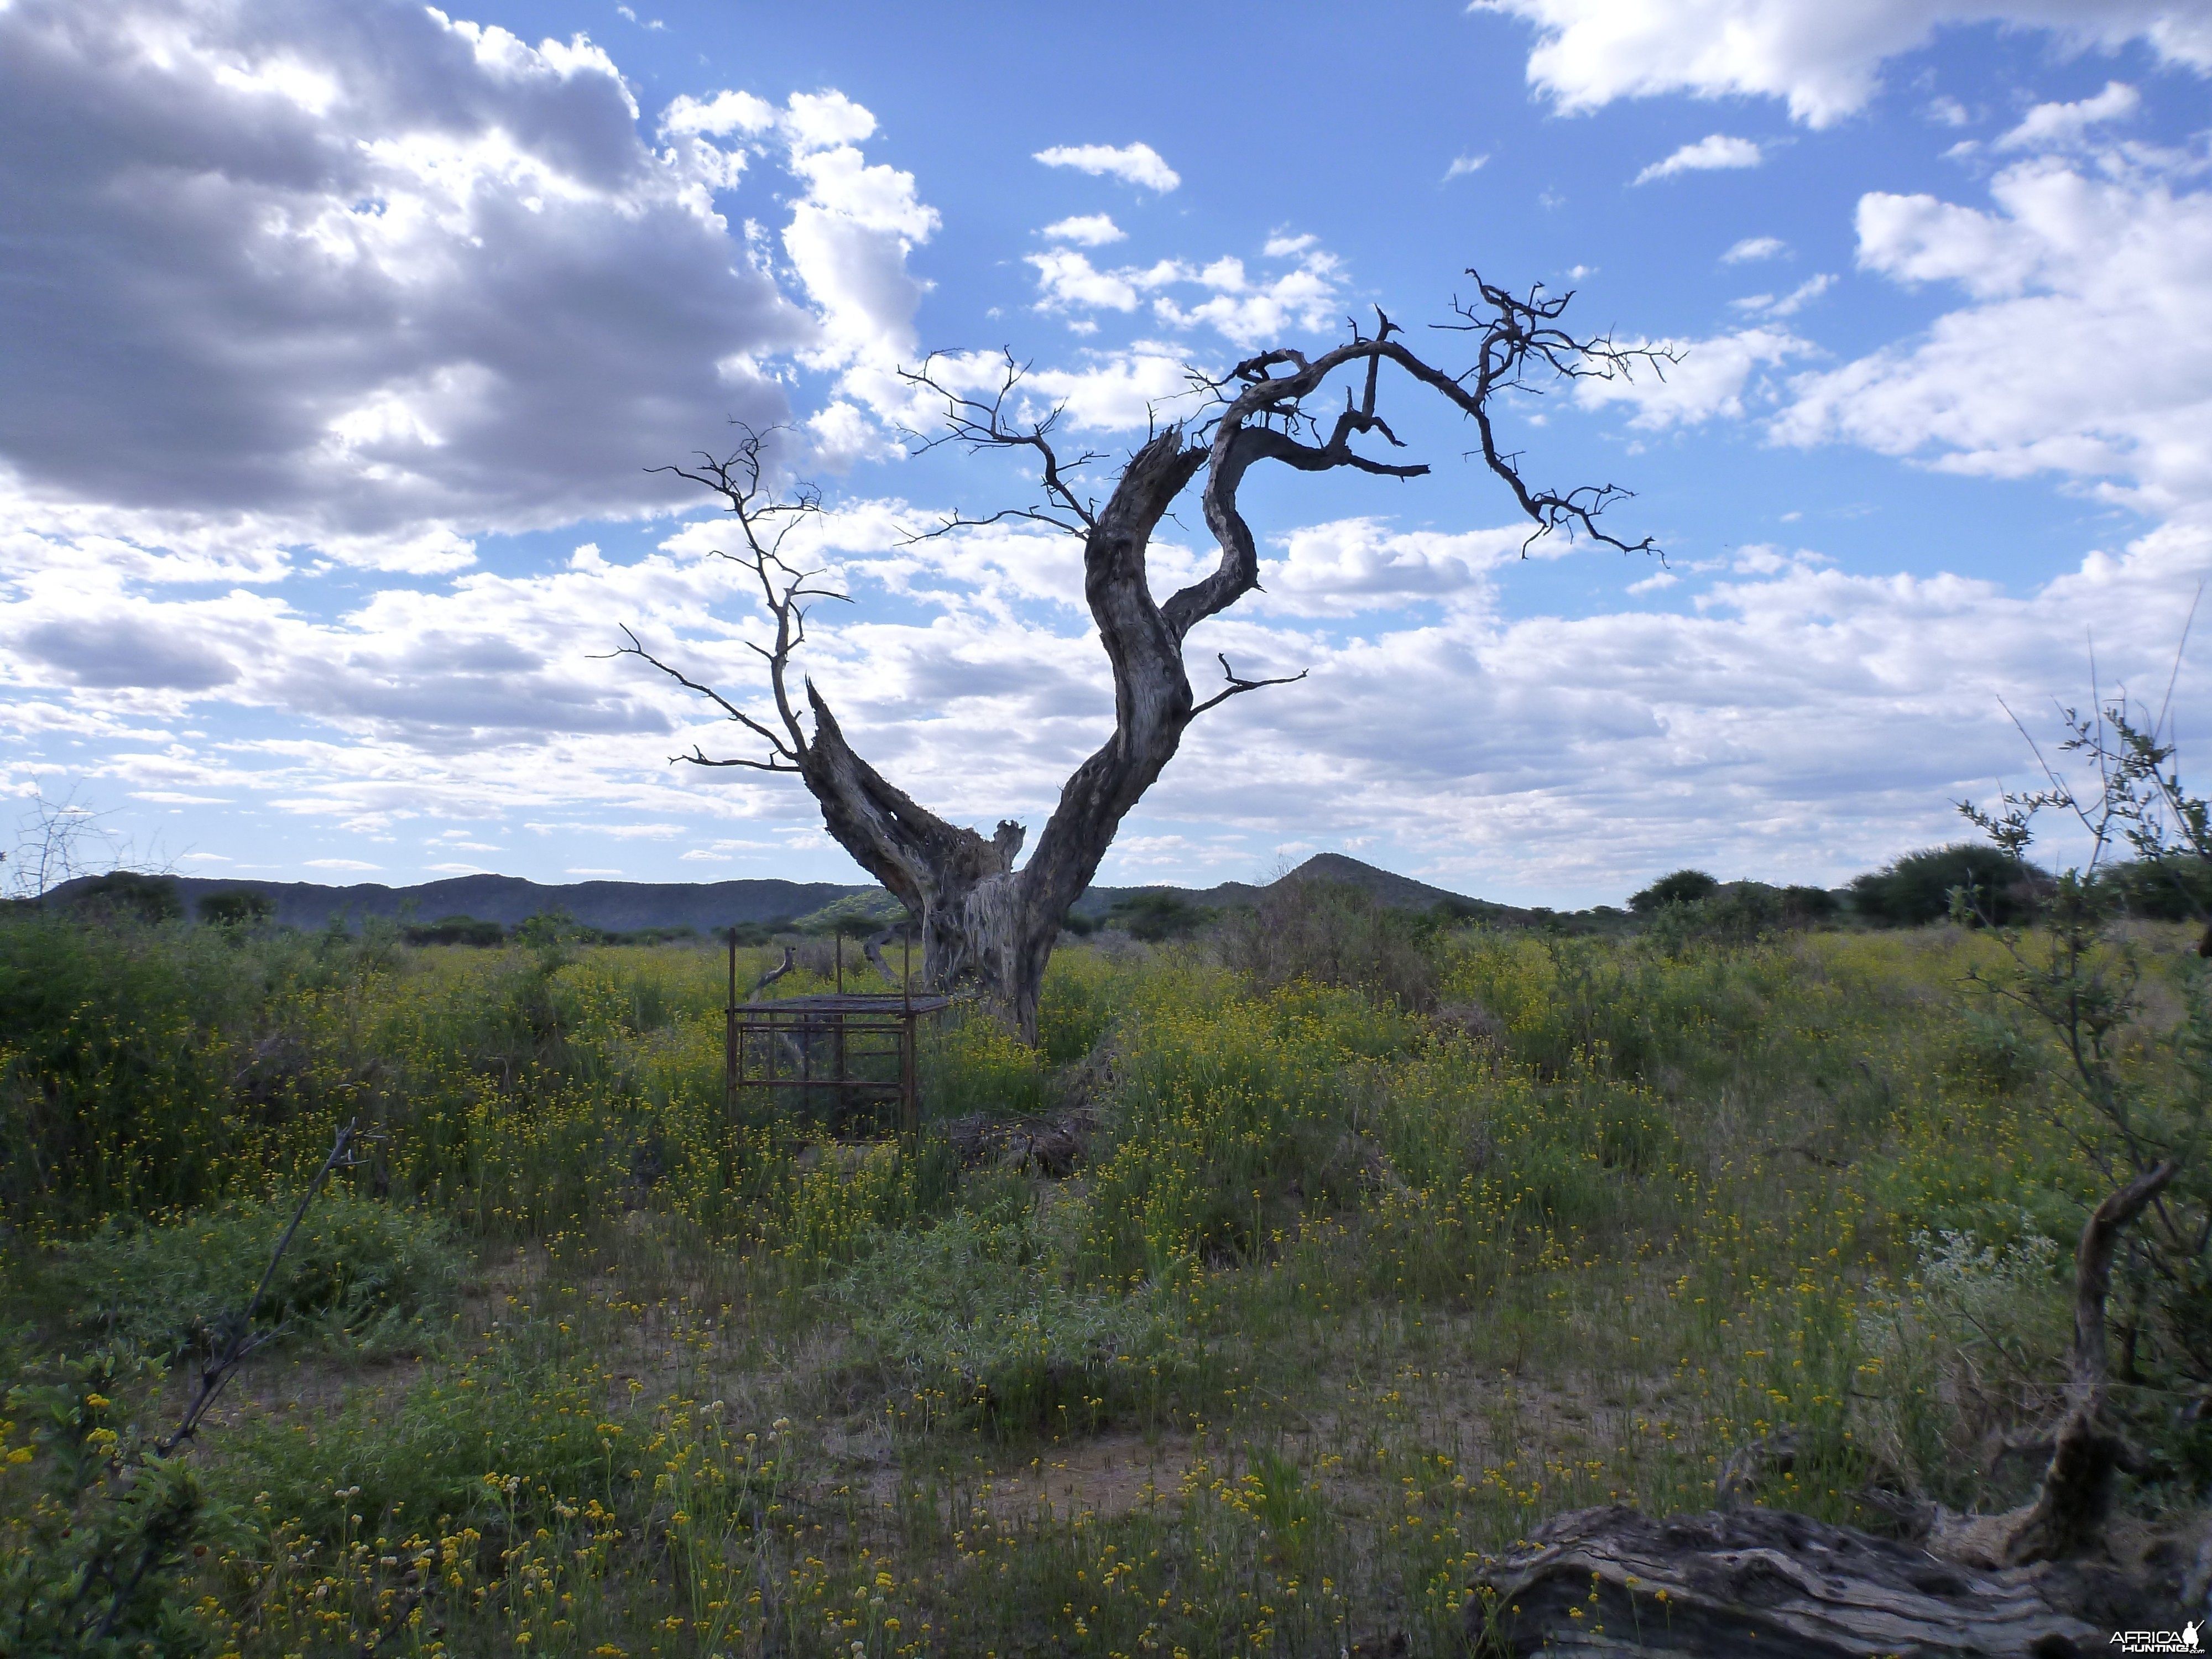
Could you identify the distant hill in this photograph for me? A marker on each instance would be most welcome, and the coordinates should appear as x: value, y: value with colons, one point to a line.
x: 1392, y: 891
x: 629, y: 906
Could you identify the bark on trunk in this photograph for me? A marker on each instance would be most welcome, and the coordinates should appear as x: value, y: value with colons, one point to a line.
x: 986, y: 927
x: 1612, y: 1581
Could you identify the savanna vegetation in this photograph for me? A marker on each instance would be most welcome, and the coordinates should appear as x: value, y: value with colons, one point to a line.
x: 1390, y: 1235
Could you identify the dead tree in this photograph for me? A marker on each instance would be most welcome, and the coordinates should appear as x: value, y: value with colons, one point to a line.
x: 2070, y: 1513
x: 986, y: 924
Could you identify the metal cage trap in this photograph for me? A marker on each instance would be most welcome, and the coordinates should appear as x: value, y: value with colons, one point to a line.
x: 838, y: 1058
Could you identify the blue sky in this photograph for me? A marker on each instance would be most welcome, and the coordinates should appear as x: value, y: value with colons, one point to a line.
x: 336, y: 341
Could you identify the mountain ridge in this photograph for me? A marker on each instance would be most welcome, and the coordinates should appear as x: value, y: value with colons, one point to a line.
x: 630, y: 906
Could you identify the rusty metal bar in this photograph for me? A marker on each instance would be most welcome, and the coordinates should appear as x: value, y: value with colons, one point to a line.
x: 910, y: 1086
x: 733, y: 1061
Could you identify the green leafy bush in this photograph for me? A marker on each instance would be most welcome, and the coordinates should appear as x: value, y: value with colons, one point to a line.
x: 2160, y: 889
x: 112, y: 1083
x: 443, y: 1445
x: 96, y: 1564
x: 130, y: 895
x: 1917, y: 887
x: 1737, y: 913
x: 977, y: 1316
x: 358, y: 1269
x: 1974, y: 1347
x: 1231, y: 1115
x: 1156, y: 916
x: 1077, y: 1007
x: 974, y: 1065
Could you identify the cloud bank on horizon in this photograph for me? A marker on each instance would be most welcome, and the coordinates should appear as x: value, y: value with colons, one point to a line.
x: 344, y: 339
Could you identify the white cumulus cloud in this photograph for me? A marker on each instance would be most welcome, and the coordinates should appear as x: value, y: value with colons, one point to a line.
x: 1091, y: 229
x: 1824, y: 60
x: 1139, y: 164
x: 1121, y: 391
x: 1755, y: 247
x: 1355, y: 565
x: 2081, y: 351
x: 1709, y: 378
x: 1244, y: 307
x: 1766, y: 305
x: 1716, y: 151
x: 2049, y: 126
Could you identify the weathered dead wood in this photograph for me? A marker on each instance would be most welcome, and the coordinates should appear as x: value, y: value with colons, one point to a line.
x: 983, y: 924
x: 2072, y: 1507
x: 2031, y: 1581
x: 790, y: 960
x: 1053, y: 1147
x: 872, y: 948
x: 1753, y: 1580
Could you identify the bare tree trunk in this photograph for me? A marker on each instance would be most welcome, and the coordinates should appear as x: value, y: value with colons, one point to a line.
x: 984, y: 925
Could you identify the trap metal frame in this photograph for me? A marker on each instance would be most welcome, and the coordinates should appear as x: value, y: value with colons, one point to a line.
x: 847, y: 1050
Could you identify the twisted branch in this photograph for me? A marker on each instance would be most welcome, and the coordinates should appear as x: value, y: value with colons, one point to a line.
x: 1238, y: 685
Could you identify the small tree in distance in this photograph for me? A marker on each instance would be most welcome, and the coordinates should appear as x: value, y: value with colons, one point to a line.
x: 984, y: 924
x: 1920, y: 887
x: 1683, y: 887
x: 237, y: 907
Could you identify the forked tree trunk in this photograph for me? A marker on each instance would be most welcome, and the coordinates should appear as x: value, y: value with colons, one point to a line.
x: 985, y: 925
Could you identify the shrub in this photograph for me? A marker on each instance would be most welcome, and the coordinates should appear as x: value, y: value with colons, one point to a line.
x: 1973, y: 1349
x: 976, y: 1317
x: 2162, y: 889
x: 97, y: 1565
x: 1805, y: 905
x: 1232, y: 1115
x: 1078, y: 1006
x: 1156, y: 916
x: 1917, y: 887
x: 240, y: 907
x: 1683, y: 887
x: 446, y: 1447
x: 112, y: 1065
x: 455, y: 930
x: 975, y: 1065
x: 1334, y: 933
x: 356, y: 1268
x: 1738, y: 912
x: 127, y: 894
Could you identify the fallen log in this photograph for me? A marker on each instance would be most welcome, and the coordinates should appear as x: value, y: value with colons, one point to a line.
x: 1756, y: 1581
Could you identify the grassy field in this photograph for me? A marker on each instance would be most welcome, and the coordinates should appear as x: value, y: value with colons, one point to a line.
x: 1377, y: 1254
